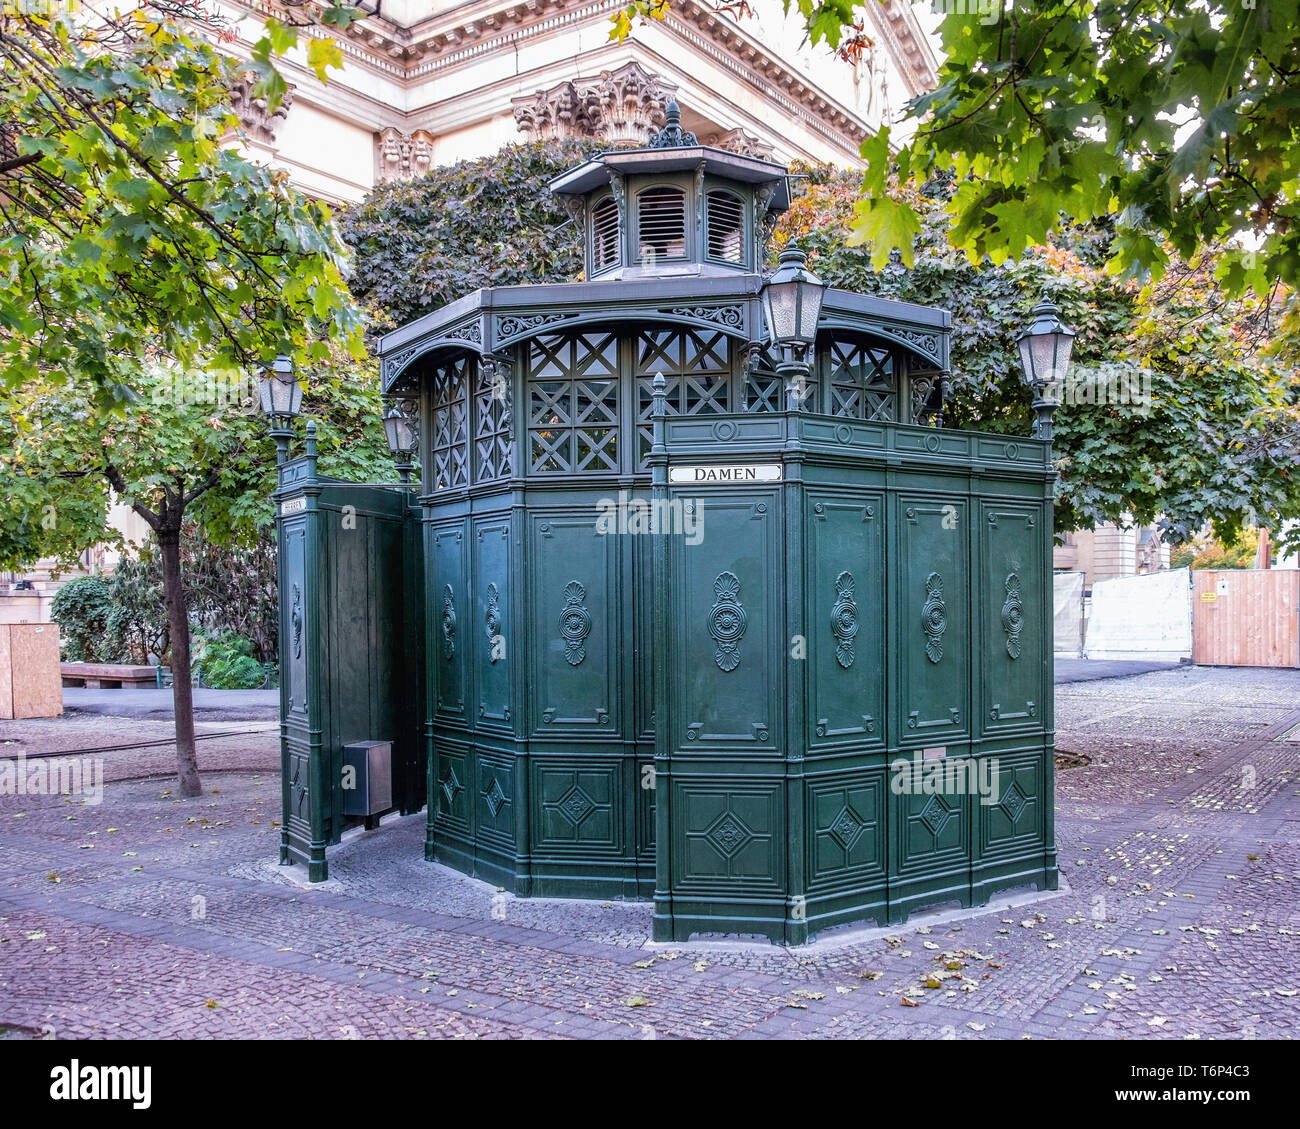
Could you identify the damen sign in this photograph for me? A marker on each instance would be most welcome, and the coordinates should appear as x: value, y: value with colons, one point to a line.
x: 738, y: 473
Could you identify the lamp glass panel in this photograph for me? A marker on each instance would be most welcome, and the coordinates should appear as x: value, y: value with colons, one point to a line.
x: 810, y: 309
x: 782, y: 310
x: 1043, y: 351
x: 1063, y: 350
x: 399, y: 430
x: 280, y: 397
x: 405, y: 434
x: 1027, y: 358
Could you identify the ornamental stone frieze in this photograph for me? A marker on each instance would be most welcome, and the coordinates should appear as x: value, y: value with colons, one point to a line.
x: 740, y: 141
x: 623, y: 105
x: 402, y: 156
x: 252, y: 112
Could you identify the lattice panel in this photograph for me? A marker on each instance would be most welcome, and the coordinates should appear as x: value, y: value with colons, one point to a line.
x: 764, y: 392
x: 491, y: 425
x: 573, y: 403
x: 761, y: 389
x: 696, y: 366
x: 449, y: 444
x: 861, y: 382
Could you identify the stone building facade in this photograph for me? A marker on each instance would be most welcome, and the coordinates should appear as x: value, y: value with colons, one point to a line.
x: 1110, y: 550
x: 431, y: 82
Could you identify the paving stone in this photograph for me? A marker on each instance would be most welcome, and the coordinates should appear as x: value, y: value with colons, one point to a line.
x: 148, y: 915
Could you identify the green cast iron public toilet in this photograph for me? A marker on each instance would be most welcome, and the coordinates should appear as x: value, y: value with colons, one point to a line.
x: 760, y: 639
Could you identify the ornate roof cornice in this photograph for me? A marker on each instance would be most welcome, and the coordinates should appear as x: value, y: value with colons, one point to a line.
x: 455, y: 38
x: 622, y: 104
x: 897, y: 25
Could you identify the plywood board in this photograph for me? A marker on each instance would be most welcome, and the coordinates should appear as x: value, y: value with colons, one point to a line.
x: 36, y: 678
x: 6, y: 676
x: 1246, y: 617
x: 1068, y: 613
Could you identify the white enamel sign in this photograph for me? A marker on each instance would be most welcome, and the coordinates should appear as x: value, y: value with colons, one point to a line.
x: 733, y: 473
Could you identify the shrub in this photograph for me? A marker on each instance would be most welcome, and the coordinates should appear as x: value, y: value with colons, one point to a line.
x: 81, y: 609
x: 137, y: 623
x: 226, y: 662
x: 488, y: 222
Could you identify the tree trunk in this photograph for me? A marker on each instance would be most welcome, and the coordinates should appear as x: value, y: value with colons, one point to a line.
x: 187, y: 763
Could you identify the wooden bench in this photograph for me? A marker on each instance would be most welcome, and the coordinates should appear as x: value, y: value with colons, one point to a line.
x: 108, y: 676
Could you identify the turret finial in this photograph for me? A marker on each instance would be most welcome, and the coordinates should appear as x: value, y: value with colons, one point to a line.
x: 672, y: 136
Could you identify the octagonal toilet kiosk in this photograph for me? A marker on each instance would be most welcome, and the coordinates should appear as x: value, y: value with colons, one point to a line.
x: 701, y: 616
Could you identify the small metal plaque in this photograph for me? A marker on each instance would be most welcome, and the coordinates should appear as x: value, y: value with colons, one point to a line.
x: 725, y: 474
x: 293, y: 506
x: 938, y: 753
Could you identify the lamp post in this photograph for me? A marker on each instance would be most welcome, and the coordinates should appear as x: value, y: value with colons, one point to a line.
x: 281, y: 396
x: 792, y: 303
x: 1045, y: 357
x: 401, y: 432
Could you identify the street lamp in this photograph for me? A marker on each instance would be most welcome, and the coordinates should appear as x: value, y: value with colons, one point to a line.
x: 792, y: 303
x: 281, y: 396
x: 1045, y: 357
x: 401, y: 431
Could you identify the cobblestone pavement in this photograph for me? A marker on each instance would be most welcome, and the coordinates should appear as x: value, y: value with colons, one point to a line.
x: 131, y: 748
x: 1179, y: 838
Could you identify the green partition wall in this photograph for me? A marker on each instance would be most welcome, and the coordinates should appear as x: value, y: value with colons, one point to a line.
x: 876, y: 593
x: 351, y: 590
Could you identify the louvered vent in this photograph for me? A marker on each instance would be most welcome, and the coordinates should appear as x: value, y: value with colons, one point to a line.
x: 661, y: 222
x: 604, y: 234
x: 726, y: 216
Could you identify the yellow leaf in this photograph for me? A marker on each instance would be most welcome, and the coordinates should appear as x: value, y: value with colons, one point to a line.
x: 323, y: 54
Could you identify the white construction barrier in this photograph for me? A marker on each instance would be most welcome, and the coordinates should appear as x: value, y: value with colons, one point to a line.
x: 1141, y: 618
x: 1067, y: 589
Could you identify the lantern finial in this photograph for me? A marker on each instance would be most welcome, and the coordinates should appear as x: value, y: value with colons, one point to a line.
x: 1045, y: 347
x: 672, y: 136
x: 792, y: 303
x: 281, y: 401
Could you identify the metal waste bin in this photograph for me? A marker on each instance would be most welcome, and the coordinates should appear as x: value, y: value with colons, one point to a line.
x: 367, y: 777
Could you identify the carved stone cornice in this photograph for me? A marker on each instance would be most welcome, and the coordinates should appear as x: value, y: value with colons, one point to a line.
x: 623, y: 105
x: 739, y: 141
x: 402, y: 156
x: 720, y: 37
x: 459, y: 37
x: 253, y: 117
x: 898, y: 29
